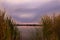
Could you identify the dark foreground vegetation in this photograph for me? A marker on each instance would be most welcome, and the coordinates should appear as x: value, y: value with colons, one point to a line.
x: 7, y: 30
x: 51, y: 27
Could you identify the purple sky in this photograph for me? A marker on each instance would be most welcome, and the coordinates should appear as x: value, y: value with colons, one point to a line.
x: 30, y: 10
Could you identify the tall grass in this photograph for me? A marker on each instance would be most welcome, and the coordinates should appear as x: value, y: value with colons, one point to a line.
x: 47, y: 24
x: 51, y: 27
x: 7, y: 29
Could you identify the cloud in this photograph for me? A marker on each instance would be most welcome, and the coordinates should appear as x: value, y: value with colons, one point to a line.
x: 30, y: 10
x: 25, y: 15
x: 24, y: 1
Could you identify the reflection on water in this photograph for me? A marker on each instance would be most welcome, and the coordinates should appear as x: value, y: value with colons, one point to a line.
x: 28, y: 31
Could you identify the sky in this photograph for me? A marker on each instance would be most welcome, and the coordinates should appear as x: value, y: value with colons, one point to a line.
x: 30, y: 10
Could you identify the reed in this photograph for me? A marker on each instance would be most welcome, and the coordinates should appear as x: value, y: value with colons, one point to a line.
x: 51, y: 27
x: 7, y: 29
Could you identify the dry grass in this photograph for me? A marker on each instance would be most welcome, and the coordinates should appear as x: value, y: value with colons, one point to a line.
x: 51, y: 27
x: 7, y: 30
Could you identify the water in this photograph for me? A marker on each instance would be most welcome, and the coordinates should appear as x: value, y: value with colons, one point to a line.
x: 28, y: 31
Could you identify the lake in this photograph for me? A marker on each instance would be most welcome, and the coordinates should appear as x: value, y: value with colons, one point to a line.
x: 29, y: 31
